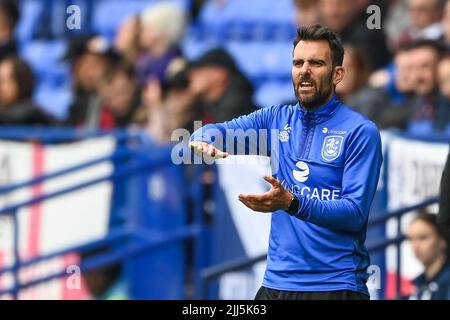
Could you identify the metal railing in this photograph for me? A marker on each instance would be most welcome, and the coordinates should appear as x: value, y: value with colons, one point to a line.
x: 144, y: 240
x: 212, y: 273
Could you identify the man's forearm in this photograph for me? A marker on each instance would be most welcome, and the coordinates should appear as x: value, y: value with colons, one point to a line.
x: 341, y: 215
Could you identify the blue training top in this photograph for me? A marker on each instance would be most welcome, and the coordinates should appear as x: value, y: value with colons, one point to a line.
x: 331, y: 159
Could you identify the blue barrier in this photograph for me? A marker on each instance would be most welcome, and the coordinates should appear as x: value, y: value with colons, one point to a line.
x: 151, y: 242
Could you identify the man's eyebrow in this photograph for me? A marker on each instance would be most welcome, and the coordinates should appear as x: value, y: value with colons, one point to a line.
x: 309, y: 60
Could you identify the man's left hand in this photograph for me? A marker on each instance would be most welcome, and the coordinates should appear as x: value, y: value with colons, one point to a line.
x: 277, y: 198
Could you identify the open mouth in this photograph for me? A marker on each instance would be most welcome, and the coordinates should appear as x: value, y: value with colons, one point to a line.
x: 306, y: 85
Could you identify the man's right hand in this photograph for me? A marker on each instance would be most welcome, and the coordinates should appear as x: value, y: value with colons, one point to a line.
x: 200, y: 147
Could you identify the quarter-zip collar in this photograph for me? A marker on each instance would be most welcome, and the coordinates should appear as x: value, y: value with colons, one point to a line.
x: 322, y: 113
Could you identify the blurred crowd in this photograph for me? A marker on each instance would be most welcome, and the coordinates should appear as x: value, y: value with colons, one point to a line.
x: 398, y: 75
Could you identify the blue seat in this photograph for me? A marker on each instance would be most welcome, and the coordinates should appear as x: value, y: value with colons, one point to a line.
x: 55, y: 100
x: 109, y: 14
x: 216, y: 12
x: 248, y: 20
x: 44, y: 58
x: 263, y: 60
x: 30, y: 17
x: 274, y: 92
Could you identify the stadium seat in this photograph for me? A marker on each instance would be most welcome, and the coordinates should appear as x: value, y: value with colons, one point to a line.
x: 109, y: 14
x: 31, y: 12
x: 261, y: 61
x: 243, y: 20
x: 274, y: 92
x: 44, y: 58
x: 54, y: 100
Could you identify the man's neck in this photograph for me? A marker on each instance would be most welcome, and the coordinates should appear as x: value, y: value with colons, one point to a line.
x: 434, y: 267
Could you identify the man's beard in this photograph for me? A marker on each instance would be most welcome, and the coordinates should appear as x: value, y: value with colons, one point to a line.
x: 318, y: 99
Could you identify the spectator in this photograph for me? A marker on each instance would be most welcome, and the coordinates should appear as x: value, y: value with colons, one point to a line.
x: 380, y: 99
x: 90, y: 57
x: 348, y: 19
x: 120, y: 95
x: 9, y: 16
x: 393, y: 89
x: 105, y: 282
x: 425, y: 20
x: 356, y: 74
x: 446, y: 25
x: 168, y: 107
x: 127, y: 39
x: 442, y: 122
x: 424, y: 55
x: 429, y: 248
x: 16, y: 91
x: 162, y: 27
x: 306, y: 12
x: 444, y: 203
x: 222, y: 89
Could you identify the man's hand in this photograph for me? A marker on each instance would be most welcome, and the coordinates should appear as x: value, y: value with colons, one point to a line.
x: 277, y: 198
x: 200, y: 147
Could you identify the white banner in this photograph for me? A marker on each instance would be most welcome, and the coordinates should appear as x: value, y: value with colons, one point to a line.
x: 69, y: 220
x: 414, y: 175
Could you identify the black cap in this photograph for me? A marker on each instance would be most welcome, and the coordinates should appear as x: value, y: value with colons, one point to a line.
x: 89, y: 43
x: 215, y: 57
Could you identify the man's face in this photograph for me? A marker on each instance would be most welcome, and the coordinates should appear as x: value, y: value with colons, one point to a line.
x: 336, y: 14
x: 446, y: 22
x: 89, y: 69
x: 403, y: 65
x: 118, y: 94
x: 444, y: 77
x: 423, y: 13
x: 425, y: 241
x: 312, y: 74
x: 423, y: 71
x: 9, y: 89
x: 205, y: 79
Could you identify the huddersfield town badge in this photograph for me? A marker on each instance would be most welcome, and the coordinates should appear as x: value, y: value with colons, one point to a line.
x: 332, y: 147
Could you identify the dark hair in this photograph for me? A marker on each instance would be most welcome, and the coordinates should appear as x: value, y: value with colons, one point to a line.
x: 122, y: 67
x: 23, y: 75
x: 431, y: 220
x: 10, y: 9
x: 318, y: 32
x: 423, y: 43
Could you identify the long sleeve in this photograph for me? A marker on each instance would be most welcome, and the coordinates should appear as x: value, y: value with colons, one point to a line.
x: 360, y: 177
x: 248, y: 134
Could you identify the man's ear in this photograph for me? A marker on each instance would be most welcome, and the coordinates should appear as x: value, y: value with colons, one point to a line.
x: 338, y: 74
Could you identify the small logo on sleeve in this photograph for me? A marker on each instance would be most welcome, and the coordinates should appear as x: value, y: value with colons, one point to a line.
x: 283, y: 136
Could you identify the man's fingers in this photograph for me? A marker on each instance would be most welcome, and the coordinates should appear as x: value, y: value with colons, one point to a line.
x: 274, y: 182
x: 254, y: 206
x: 256, y: 197
x: 208, y: 149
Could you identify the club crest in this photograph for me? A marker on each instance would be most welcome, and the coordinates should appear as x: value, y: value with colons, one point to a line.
x: 332, y: 147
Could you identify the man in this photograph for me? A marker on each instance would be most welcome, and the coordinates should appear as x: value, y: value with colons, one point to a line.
x: 9, y: 17
x: 90, y: 57
x: 348, y: 18
x: 328, y: 168
x: 424, y: 103
x: 222, y: 90
x: 425, y: 20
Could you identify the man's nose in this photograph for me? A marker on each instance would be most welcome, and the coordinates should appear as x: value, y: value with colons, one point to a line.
x: 305, y: 70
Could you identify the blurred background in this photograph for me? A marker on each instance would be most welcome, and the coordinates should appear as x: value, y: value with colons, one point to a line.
x: 92, y: 204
